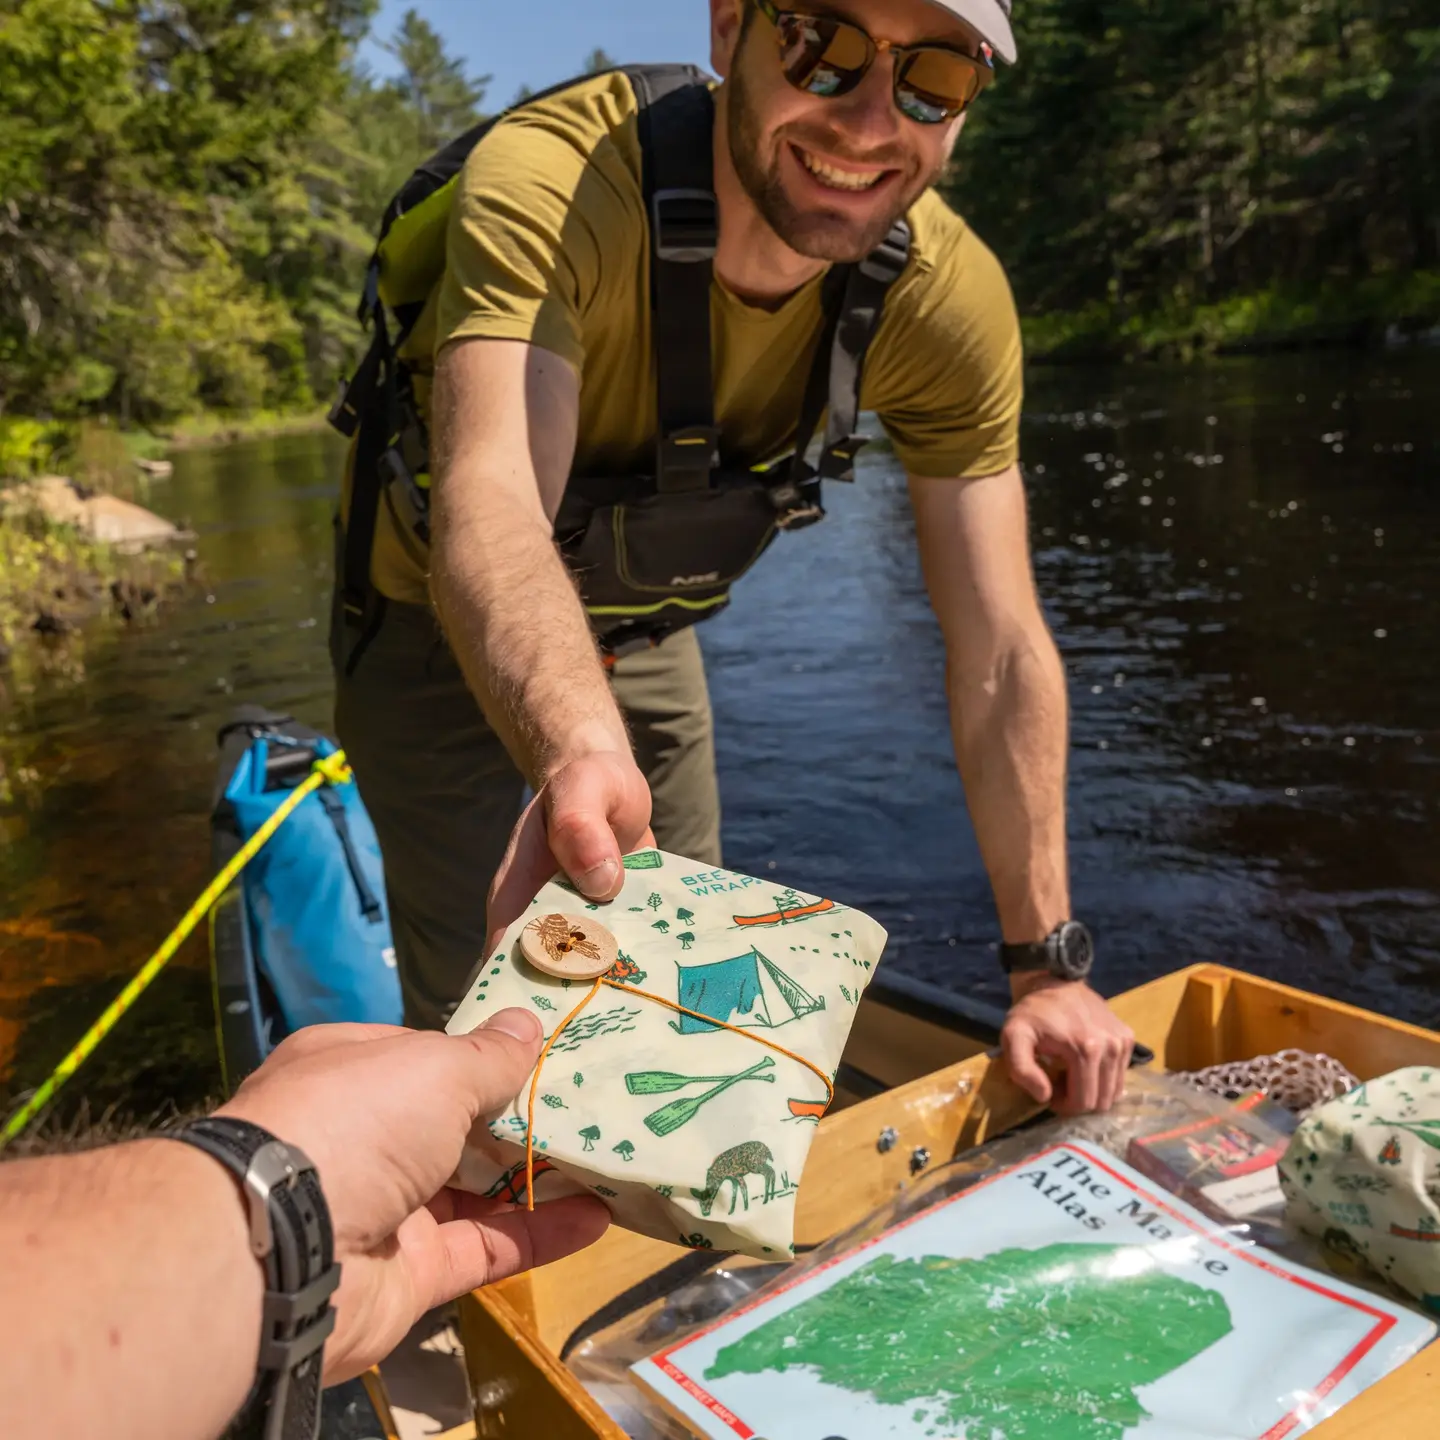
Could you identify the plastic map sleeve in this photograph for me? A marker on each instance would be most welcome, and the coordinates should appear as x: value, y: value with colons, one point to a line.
x: 1062, y: 1298
x: 686, y: 1090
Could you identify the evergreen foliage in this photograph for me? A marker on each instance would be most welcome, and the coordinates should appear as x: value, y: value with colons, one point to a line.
x: 1152, y: 157
x: 189, y: 188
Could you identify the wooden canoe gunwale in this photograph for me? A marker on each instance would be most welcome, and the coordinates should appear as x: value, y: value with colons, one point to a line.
x: 1205, y: 1014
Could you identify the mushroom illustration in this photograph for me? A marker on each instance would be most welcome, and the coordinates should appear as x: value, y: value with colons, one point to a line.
x: 625, y: 1150
x: 684, y: 916
x: 686, y: 939
x: 663, y: 926
x: 590, y: 1134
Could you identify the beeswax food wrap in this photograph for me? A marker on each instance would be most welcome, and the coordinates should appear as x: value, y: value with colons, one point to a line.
x: 1363, y: 1174
x: 689, y: 1131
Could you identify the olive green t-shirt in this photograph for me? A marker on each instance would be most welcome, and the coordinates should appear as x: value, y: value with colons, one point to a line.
x: 548, y: 243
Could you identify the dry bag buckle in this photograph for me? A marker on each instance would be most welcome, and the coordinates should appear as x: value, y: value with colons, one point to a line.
x: 686, y: 224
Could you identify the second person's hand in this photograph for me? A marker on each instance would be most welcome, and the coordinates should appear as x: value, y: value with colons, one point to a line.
x: 588, y: 814
x: 383, y: 1113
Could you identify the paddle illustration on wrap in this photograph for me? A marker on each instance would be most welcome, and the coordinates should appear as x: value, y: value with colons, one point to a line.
x: 747, y: 990
x: 672, y: 1116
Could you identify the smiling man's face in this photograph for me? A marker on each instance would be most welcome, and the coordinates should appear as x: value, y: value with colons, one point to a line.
x: 831, y: 175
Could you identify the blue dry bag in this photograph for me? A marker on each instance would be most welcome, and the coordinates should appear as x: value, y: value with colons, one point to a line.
x: 315, y: 897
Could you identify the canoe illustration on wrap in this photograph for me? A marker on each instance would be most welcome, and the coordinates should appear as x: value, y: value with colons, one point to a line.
x: 749, y: 991
x: 807, y: 1109
x: 788, y: 908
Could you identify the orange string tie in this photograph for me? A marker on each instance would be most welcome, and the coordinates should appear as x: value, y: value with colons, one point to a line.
x: 669, y: 1005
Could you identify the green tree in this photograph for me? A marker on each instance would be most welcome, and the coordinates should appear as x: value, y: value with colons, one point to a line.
x: 440, y: 99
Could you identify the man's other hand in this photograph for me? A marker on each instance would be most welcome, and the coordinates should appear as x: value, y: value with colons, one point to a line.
x: 587, y: 815
x: 383, y: 1113
x: 1066, y: 1021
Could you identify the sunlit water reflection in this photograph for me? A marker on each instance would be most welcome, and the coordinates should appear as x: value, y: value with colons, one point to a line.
x: 1240, y: 563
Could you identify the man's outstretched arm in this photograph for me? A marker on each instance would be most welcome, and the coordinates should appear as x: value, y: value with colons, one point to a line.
x: 505, y: 426
x: 1009, y: 723
x: 130, y: 1291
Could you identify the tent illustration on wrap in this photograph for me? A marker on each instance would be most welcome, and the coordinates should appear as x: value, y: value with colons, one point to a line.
x: 748, y: 990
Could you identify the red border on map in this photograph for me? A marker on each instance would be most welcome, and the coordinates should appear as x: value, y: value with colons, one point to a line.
x: 1383, y: 1322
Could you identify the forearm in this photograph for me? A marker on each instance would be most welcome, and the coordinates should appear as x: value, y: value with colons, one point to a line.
x: 506, y: 417
x: 130, y: 1294
x: 516, y: 625
x: 1009, y: 722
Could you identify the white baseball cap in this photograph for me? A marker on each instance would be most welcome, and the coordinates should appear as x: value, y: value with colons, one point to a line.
x: 990, y: 19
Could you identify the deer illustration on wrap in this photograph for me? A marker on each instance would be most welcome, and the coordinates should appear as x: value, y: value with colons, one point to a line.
x: 669, y: 1084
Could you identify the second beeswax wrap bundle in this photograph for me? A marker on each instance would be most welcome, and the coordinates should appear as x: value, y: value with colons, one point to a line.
x: 690, y: 1131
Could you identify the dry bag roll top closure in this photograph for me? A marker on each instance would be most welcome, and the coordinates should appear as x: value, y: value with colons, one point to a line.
x: 653, y: 552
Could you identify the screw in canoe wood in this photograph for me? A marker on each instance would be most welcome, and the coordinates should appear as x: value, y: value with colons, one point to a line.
x: 919, y: 1159
x: 888, y: 1136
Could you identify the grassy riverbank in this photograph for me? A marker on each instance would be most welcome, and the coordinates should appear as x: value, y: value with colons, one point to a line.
x: 1367, y: 312
x: 53, y: 576
x: 103, y: 455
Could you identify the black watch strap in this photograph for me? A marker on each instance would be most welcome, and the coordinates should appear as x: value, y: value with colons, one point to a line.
x: 1034, y: 955
x: 290, y: 1233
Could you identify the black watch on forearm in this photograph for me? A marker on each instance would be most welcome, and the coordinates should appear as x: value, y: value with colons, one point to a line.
x: 1067, y: 952
x: 290, y: 1233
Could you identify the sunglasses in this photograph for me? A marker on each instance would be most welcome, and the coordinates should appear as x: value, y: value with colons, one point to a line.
x: 825, y: 55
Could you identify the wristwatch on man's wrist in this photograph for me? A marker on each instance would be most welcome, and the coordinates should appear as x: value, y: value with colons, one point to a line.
x: 1067, y: 953
x: 291, y: 1234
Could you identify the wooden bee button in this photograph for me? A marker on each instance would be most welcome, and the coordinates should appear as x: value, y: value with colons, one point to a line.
x: 569, y: 947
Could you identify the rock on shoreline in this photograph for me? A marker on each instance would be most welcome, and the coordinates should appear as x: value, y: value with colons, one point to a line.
x: 102, y: 517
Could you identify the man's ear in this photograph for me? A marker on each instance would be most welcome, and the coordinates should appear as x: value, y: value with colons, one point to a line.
x: 725, y: 18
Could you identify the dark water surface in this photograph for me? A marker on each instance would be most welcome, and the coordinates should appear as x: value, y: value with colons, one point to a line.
x: 1242, y: 565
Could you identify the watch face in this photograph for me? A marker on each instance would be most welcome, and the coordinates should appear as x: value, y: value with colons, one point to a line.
x: 1075, y: 951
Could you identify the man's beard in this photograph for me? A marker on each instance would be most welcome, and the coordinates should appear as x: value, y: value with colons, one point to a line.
x: 817, y: 233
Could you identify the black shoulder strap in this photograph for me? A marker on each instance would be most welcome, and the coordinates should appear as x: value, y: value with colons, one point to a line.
x: 866, y: 287
x: 676, y: 121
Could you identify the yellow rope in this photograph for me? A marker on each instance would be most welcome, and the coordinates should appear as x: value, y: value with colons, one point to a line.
x: 332, y: 770
x: 669, y: 1005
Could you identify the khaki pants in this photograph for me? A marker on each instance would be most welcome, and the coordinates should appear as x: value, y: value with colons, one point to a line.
x: 444, y: 794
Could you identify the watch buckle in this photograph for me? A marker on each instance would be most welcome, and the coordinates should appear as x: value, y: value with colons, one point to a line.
x: 273, y: 1165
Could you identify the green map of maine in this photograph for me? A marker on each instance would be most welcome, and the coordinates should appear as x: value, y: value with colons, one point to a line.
x: 1021, y: 1345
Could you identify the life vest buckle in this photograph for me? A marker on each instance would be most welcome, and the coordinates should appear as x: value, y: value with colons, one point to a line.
x: 342, y: 415
x: 798, y: 505
x: 887, y: 261
x: 686, y: 223
x: 686, y: 458
x: 800, y: 517
x: 837, y: 461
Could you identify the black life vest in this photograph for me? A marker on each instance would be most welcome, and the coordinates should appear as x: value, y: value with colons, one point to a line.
x: 652, y: 552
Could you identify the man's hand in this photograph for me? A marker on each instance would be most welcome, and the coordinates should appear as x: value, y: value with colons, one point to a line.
x: 383, y: 1113
x: 586, y: 816
x: 1065, y: 1020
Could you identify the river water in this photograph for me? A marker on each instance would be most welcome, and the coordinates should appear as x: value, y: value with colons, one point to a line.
x: 1241, y: 562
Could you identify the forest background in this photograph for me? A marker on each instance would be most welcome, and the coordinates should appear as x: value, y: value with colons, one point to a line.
x: 189, y: 189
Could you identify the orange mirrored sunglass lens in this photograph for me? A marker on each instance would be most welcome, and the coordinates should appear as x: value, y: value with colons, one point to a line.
x: 946, y: 79
x: 826, y: 57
